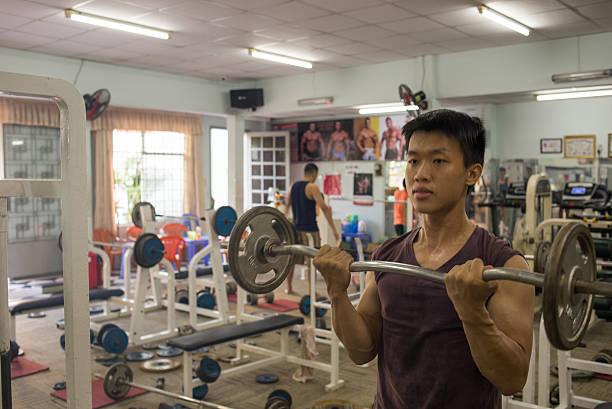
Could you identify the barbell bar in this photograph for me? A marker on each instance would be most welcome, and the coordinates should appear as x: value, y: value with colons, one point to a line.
x: 119, y: 378
x: 263, y: 261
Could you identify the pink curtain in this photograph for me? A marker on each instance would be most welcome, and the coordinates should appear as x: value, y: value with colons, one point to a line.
x: 104, y: 180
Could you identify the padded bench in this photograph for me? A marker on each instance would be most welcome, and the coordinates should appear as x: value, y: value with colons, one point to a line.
x: 96, y: 294
x: 200, y: 272
x: 220, y: 335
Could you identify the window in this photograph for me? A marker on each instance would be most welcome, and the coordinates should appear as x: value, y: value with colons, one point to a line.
x: 219, y: 177
x: 148, y: 166
x: 32, y: 152
x: 267, y: 166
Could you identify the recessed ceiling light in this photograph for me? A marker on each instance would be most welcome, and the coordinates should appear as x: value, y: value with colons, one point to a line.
x: 504, y: 20
x: 283, y: 59
x: 116, y: 24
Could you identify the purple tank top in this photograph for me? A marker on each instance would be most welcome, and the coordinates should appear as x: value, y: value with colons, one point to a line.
x: 424, y: 359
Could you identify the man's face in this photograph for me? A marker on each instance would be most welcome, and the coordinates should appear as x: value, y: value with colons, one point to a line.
x: 368, y: 123
x: 312, y: 127
x: 435, y: 173
x: 389, y: 123
x: 338, y: 126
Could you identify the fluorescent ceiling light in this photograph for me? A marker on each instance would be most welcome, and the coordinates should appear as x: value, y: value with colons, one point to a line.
x: 503, y: 20
x: 116, y: 24
x: 315, y: 101
x: 17, y: 143
x: 571, y: 93
x: 385, y: 108
x: 582, y: 76
x: 279, y: 58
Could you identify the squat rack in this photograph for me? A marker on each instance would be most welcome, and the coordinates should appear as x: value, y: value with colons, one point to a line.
x: 71, y: 188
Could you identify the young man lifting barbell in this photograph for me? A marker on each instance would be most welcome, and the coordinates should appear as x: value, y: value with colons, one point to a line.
x: 457, y: 345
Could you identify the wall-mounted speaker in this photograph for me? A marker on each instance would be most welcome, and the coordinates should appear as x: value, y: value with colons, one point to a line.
x: 246, y: 98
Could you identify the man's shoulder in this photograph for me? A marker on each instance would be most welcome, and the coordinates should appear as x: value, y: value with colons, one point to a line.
x: 390, y: 245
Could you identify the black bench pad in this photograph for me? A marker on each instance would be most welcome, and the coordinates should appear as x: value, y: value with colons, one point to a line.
x: 58, y: 300
x: 200, y: 271
x: 219, y: 335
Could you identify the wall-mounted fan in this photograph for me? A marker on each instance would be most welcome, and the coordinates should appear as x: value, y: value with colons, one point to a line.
x: 96, y: 103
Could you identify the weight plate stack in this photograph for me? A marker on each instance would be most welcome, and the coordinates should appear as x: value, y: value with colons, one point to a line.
x: 208, y: 370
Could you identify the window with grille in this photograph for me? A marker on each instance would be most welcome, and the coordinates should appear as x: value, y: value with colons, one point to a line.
x: 148, y: 166
x: 268, y: 166
x: 32, y: 152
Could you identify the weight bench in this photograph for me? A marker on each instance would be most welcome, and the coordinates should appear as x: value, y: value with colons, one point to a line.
x: 55, y: 301
x: 189, y: 343
x: 200, y: 272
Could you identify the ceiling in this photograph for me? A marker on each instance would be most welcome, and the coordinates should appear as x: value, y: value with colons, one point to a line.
x: 210, y: 38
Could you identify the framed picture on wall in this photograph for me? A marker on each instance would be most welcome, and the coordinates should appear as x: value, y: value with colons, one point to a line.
x: 610, y: 145
x: 551, y: 145
x: 579, y: 146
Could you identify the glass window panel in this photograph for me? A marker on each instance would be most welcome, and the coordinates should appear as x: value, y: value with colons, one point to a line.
x: 268, y: 170
x: 162, y: 182
x: 256, y: 184
x: 256, y: 170
x: 256, y: 155
x: 280, y: 170
x: 267, y: 156
x: 280, y: 141
x: 268, y: 141
x: 280, y: 156
x: 280, y: 184
x: 164, y: 142
x: 256, y: 142
x: 256, y: 198
x: 268, y: 183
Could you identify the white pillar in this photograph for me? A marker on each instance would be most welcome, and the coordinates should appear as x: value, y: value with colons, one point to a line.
x: 235, y: 129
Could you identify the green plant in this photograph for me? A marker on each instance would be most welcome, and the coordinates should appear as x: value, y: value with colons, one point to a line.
x: 128, y: 179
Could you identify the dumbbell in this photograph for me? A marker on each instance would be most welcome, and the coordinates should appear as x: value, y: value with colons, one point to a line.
x: 206, y: 299
x: 110, y: 337
x: 279, y: 399
x: 304, y: 306
x: 253, y: 299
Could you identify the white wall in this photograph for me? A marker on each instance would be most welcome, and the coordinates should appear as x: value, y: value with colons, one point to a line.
x: 520, y: 126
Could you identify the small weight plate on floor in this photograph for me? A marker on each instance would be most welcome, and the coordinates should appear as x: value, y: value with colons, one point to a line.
x: 116, y: 360
x: 102, y: 330
x: 281, y: 393
x: 149, y: 347
x: 169, y: 352
x: 95, y: 309
x: 200, y: 392
x: 266, y: 378
x: 603, y: 356
x: 60, y: 386
x: 160, y: 365
x: 277, y: 403
x: 39, y: 314
x: 163, y: 346
x: 139, y: 356
x: 115, y: 340
x: 208, y: 370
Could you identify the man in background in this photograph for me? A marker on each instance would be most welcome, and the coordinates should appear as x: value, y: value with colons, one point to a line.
x: 399, y: 209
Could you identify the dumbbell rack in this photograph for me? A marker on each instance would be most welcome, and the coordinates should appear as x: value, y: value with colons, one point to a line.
x: 70, y: 188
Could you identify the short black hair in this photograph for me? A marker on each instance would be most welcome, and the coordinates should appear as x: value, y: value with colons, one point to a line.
x: 310, y: 169
x: 467, y: 130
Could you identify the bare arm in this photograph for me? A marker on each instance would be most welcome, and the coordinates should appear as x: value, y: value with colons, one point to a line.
x: 500, y: 335
x: 288, y: 203
x: 313, y: 193
x: 359, y: 329
x: 359, y: 141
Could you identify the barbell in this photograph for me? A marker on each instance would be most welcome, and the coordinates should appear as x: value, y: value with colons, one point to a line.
x: 222, y: 222
x: 119, y: 378
x: 263, y: 261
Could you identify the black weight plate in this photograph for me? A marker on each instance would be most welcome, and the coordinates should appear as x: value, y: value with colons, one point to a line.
x: 231, y: 288
x: 13, y: 350
x: 206, y: 300
x: 252, y: 299
x: 208, y: 370
x: 101, y: 332
x: 169, y: 352
x: 138, y: 356
x: 304, y: 305
x: 320, y: 312
x: 224, y: 220
x: 116, y: 381
x: 266, y: 378
x: 603, y: 356
x: 269, y: 298
x: 182, y: 296
x: 148, y: 250
x: 200, y: 392
x: 136, y: 213
x: 164, y: 346
x: 281, y: 393
x: 277, y: 403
